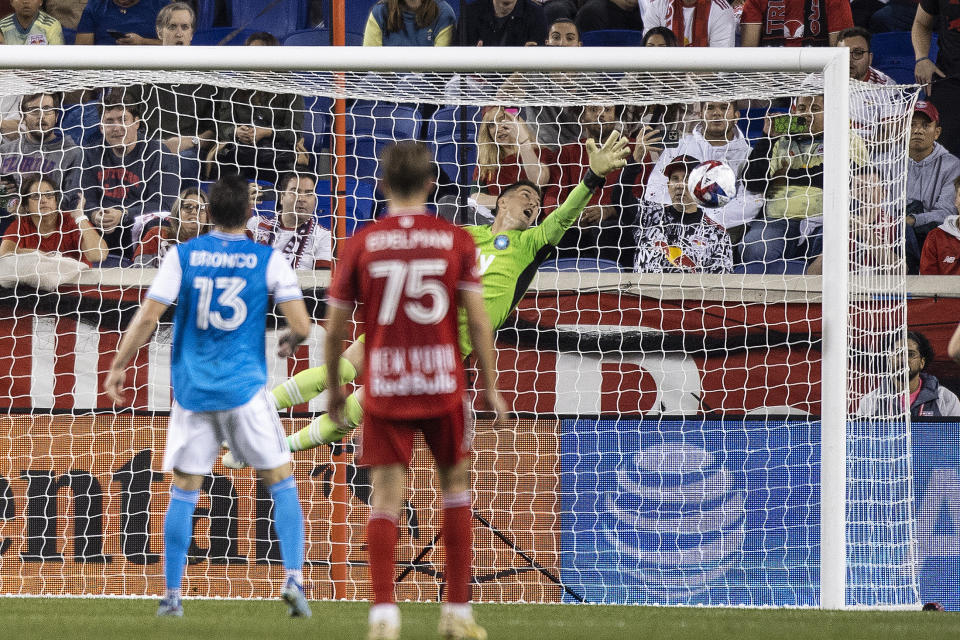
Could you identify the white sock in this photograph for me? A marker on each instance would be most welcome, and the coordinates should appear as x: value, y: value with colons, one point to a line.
x: 173, y: 593
x: 461, y: 610
x: 389, y: 613
x: 296, y: 574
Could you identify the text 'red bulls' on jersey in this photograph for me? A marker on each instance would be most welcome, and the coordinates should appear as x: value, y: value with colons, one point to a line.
x: 406, y: 271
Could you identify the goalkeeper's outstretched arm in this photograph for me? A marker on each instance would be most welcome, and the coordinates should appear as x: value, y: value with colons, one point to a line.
x: 603, y: 161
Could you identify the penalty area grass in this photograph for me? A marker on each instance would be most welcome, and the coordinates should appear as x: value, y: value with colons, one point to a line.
x: 105, y: 619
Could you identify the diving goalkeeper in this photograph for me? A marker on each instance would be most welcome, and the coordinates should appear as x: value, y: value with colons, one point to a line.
x: 509, y: 251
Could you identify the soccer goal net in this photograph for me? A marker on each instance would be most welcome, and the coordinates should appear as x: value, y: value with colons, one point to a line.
x: 708, y: 366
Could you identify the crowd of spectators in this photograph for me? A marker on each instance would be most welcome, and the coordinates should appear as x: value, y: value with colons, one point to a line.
x: 138, y: 180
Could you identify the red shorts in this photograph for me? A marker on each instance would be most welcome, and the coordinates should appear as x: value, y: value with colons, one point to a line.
x: 385, y: 441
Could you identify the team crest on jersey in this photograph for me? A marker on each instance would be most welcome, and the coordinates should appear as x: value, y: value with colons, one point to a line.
x: 501, y: 242
x: 37, y: 38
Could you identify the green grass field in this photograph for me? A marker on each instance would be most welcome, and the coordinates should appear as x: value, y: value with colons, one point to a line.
x: 103, y: 619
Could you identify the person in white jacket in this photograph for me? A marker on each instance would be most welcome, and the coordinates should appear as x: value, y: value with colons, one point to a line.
x: 717, y: 138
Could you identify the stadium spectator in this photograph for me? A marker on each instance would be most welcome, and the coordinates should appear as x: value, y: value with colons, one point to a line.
x: 669, y: 120
x: 872, y: 227
x: 592, y: 15
x: 659, y: 37
x: 602, y: 229
x: 941, y: 249
x: 127, y: 176
x: 786, y: 167
x: 924, y: 394
x: 294, y: 230
x: 501, y: 23
x: 42, y: 226
x: 553, y: 125
x: 262, y: 39
x: 41, y: 148
x: 410, y: 23
x: 679, y: 237
x: 791, y: 23
x: 67, y: 12
x: 694, y: 23
x: 258, y: 132
x: 188, y: 219
x: 507, y: 152
x: 931, y: 170
x: 941, y: 79
x: 857, y: 39
x: 717, y: 137
x: 127, y: 22
x: 181, y: 115
x: 29, y: 25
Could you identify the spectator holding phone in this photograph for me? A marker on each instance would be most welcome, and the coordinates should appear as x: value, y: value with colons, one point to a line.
x: 507, y: 153
x: 126, y: 22
x: 29, y: 25
x: 786, y: 168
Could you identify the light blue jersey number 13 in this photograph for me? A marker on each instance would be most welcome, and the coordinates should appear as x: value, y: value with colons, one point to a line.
x: 229, y: 288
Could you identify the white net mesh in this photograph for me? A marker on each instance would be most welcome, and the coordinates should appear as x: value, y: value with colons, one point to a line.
x: 666, y: 360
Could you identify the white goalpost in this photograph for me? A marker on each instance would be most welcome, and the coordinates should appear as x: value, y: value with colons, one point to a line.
x: 685, y: 521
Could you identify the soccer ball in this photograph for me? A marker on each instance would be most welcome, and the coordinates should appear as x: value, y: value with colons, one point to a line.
x: 712, y: 183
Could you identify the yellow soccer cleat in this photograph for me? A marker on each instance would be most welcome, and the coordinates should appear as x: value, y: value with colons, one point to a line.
x: 457, y: 627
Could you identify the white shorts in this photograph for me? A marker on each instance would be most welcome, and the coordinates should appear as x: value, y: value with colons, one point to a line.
x: 252, y: 431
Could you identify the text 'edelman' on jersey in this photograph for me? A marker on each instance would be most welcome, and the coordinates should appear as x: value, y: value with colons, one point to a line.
x: 221, y: 283
x: 406, y: 271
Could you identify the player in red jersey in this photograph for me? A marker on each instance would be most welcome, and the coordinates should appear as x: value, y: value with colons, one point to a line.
x: 410, y: 272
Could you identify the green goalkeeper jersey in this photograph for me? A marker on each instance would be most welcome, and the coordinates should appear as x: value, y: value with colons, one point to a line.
x: 509, y: 260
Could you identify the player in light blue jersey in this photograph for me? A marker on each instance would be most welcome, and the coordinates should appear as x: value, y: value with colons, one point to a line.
x: 221, y: 283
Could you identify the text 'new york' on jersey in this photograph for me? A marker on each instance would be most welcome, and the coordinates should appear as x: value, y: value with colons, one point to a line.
x: 406, y: 271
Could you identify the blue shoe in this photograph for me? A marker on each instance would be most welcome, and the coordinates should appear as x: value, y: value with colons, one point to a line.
x: 296, y: 600
x: 171, y: 606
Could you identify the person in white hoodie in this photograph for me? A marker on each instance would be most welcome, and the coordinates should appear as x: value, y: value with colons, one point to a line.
x: 717, y: 138
x: 931, y: 170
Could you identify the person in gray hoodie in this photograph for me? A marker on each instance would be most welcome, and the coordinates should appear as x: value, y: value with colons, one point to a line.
x: 931, y: 170
x: 924, y: 394
x: 41, y: 148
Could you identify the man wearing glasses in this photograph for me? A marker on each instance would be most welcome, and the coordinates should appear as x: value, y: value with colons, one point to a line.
x: 857, y: 39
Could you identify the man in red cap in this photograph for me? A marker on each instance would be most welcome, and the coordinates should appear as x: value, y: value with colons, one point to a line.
x: 931, y: 170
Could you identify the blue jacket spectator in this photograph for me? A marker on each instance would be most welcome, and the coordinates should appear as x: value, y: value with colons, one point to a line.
x: 487, y: 24
x: 395, y: 23
x: 134, y: 21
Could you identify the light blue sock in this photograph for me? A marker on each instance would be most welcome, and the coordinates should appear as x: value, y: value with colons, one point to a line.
x: 177, y: 531
x: 288, y: 522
